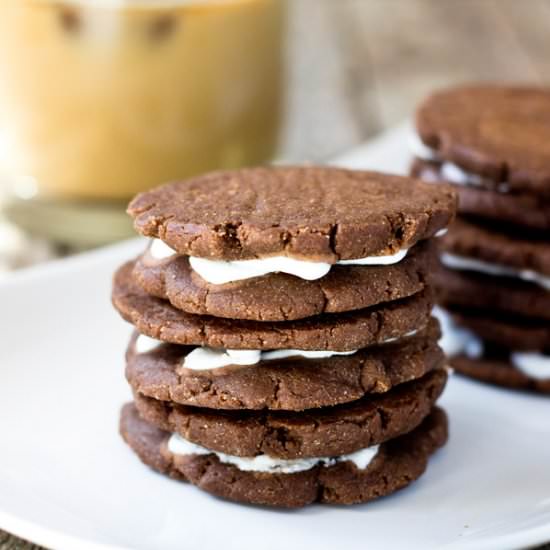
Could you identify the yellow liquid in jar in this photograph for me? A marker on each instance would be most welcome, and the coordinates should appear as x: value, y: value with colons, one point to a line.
x: 101, y: 102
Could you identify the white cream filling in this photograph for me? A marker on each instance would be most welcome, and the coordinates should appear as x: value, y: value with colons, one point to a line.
x: 145, y: 344
x: 459, y: 262
x: 264, y: 463
x: 535, y: 365
x: 204, y: 358
x: 449, y: 171
x: 420, y: 150
x: 219, y: 272
x: 453, y: 173
x: 390, y: 259
x: 159, y: 250
x: 456, y: 340
x: 396, y: 338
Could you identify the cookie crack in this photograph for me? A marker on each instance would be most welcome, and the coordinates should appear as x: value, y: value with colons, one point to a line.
x: 332, y: 239
x: 228, y: 233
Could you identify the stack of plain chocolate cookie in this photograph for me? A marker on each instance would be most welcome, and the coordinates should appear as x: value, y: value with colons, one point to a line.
x: 493, y: 144
x: 284, y: 350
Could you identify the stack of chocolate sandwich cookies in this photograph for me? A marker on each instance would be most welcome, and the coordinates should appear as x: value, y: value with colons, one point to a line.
x: 492, y: 143
x: 284, y: 350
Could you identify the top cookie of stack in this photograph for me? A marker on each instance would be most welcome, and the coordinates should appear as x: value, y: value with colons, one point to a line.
x: 492, y: 143
x: 277, y: 310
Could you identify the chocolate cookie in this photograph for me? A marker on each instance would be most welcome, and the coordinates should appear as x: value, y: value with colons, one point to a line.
x: 522, y: 209
x: 396, y: 464
x: 469, y: 289
x: 513, y: 332
x: 283, y: 297
x: 338, y: 332
x: 499, y: 132
x: 286, y: 384
x: 473, y: 240
x: 319, y: 432
x: 499, y: 372
x: 315, y: 213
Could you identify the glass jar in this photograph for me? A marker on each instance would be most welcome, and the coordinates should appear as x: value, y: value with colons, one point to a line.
x: 101, y: 99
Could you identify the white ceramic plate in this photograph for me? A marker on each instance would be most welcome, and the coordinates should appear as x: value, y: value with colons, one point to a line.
x: 67, y: 481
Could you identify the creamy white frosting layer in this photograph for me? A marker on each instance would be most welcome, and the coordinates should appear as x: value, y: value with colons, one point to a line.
x: 145, y: 344
x: 456, y: 340
x: 420, y: 150
x: 264, y: 463
x: 533, y: 364
x: 159, y: 250
x: 395, y: 339
x: 390, y: 259
x: 471, y: 264
x: 219, y: 272
x: 204, y: 358
x: 453, y: 173
x: 449, y: 171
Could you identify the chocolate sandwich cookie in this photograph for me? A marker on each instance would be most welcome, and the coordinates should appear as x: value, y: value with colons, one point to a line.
x: 293, y: 383
x: 281, y: 296
x: 490, y: 349
x: 509, y: 331
x: 471, y: 289
x: 521, y: 209
x: 341, y: 480
x: 320, y: 214
x: 339, y: 331
x: 499, y: 133
x: 501, y: 371
x: 318, y: 432
x: 498, y: 249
